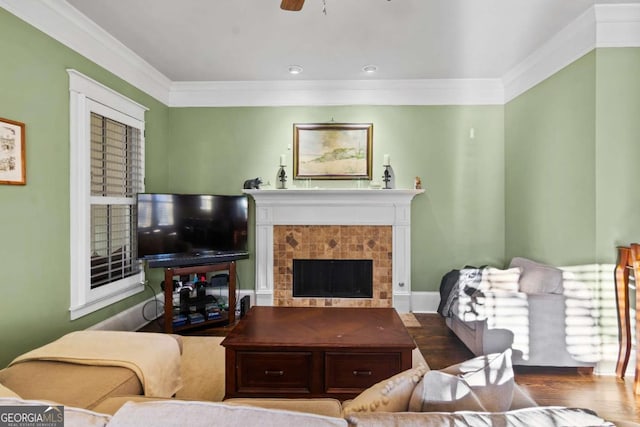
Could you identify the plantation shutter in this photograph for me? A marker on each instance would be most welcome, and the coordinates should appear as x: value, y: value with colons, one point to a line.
x: 116, y: 178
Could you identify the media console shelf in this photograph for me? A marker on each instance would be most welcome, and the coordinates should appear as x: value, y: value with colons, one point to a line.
x: 170, y: 273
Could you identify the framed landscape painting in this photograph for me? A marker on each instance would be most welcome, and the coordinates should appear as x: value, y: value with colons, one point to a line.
x: 12, y: 162
x: 332, y: 150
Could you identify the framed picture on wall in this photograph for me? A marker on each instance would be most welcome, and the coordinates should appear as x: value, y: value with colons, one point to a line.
x: 12, y: 152
x: 332, y: 150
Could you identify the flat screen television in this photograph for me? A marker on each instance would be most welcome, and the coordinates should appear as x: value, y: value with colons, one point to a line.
x: 191, y: 229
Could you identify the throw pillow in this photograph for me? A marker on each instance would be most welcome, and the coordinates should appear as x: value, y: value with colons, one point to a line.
x: 442, y: 392
x: 488, y: 379
x: 537, y: 278
x: 391, y: 395
x: 494, y: 279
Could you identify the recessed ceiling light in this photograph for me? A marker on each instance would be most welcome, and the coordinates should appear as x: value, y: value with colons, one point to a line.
x: 370, y: 68
x: 295, y: 69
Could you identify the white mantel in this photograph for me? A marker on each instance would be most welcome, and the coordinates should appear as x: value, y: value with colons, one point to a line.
x: 335, y: 207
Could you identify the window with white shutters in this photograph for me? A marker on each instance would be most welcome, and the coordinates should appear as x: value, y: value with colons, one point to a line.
x: 116, y: 178
x: 107, y: 172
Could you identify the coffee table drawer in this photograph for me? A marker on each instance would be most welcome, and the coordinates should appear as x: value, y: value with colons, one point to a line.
x: 354, y: 372
x: 262, y: 372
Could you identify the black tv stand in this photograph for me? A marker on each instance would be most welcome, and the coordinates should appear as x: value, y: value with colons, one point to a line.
x: 228, y: 317
x: 188, y: 260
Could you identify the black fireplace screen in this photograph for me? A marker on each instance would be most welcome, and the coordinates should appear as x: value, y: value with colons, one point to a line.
x: 333, y: 278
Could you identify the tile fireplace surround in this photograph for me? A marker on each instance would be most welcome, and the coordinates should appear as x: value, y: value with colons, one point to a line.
x: 334, y: 224
x: 337, y: 242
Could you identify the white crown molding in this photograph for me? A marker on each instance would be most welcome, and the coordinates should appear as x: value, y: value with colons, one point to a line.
x: 602, y: 25
x: 618, y: 25
x: 572, y: 42
x: 64, y: 23
x: 337, y: 92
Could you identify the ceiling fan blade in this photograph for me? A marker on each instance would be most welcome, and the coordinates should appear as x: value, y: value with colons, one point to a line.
x: 292, y: 5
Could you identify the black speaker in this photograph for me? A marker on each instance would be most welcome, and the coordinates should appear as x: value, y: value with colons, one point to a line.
x: 245, y: 304
x: 184, y: 300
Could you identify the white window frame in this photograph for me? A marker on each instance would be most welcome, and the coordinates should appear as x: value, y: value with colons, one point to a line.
x: 86, y: 96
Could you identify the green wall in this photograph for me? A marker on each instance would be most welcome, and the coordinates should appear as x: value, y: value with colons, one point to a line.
x: 617, y: 150
x: 571, y: 155
x: 34, y: 219
x: 458, y: 220
x: 549, y: 168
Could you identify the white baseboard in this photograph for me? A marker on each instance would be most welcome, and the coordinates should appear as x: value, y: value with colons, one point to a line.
x: 425, y: 302
x: 133, y: 318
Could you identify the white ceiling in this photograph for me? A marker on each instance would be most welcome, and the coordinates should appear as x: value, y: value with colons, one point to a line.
x: 228, y: 40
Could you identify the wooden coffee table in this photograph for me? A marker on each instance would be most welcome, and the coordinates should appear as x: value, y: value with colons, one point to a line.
x: 314, y: 352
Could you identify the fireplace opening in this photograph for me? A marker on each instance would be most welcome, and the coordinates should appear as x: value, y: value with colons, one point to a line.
x: 333, y: 278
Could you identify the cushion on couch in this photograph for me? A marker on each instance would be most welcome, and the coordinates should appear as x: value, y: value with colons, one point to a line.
x: 483, y: 383
x: 66, y: 383
x: 179, y: 413
x: 538, y: 417
x: 320, y: 406
x: 537, y: 278
x: 154, y: 357
x: 494, y: 279
x: 390, y: 395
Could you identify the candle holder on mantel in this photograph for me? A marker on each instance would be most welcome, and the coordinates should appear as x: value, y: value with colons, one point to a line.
x: 386, y: 177
x: 281, y: 178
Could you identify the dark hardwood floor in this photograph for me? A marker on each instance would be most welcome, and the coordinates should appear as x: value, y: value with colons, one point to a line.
x: 611, y: 398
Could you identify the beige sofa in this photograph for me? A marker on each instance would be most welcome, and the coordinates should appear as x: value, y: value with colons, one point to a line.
x: 476, y: 392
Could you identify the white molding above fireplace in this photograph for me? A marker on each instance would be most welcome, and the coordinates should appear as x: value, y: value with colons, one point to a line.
x: 335, y: 207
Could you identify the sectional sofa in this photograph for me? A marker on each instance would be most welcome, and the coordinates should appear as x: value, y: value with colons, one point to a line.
x: 480, y: 391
